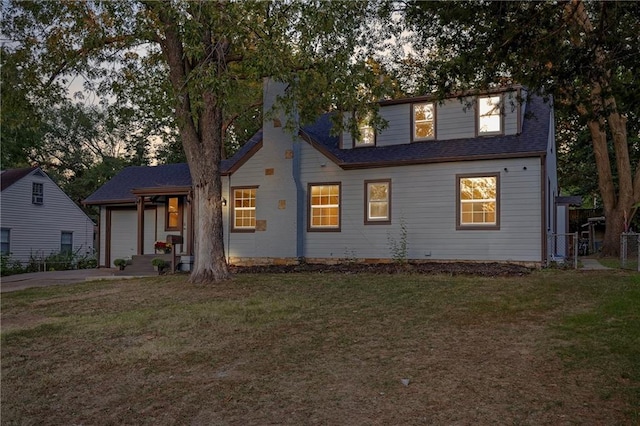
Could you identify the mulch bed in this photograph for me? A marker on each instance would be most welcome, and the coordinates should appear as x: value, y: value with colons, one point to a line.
x: 449, y: 268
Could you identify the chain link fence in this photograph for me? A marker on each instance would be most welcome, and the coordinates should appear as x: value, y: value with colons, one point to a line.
x: 563, y: 250
x: 629, y: 251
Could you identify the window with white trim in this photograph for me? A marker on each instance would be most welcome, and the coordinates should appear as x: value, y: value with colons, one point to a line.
x: 37, y: 193
x: 66, y: 242
x: 423, y: 121
x: 324, y: 207
x: 5, y: 241
x: 366, y: 133
x: 489, y: 115
x: 478, y: 202
x: 377, y: 202
x: 244, y: 209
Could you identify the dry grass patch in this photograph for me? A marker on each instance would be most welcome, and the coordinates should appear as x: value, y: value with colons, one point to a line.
x: 317, y: 348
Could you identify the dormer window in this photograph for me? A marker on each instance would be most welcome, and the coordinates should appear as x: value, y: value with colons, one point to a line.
x: 366, y: 133
x: 423, y: 121
x: 37, y: 193
x: 489, y: 115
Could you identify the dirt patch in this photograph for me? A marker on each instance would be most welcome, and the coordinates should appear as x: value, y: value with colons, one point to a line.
x: 447, y: 268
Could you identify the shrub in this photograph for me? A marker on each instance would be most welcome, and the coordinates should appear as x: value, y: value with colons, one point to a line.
x: 159, y: 263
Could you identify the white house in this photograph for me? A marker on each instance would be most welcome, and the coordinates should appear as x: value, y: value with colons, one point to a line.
x: 37, y: 218
x: 471, y: 178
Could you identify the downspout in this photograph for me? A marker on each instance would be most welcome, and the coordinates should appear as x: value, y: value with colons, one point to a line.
x: 228, y: 246
x: 545, y: 209
x: 300, y: 198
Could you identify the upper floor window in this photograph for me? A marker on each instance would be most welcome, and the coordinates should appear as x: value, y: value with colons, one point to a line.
x: 5, y: 241
x: 244, y: 209
x: 366, y: 133
x: 377, y: 204
x: 324, y: 207
x: 423, y: 121
x: 489, y: 115
x: 66, y: 242
x: 37, y: 193
x: 478, y: 202
x: 172, y: 219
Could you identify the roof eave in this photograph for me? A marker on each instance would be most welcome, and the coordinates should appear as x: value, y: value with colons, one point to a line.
x: 416, y: 161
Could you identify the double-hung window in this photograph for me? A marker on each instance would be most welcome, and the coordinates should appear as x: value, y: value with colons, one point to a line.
x: 5, y: 241
x: 478, y: 201
x: 66, y: 242
x: 324, y: 207
x: 423, y: 121
x: 172, y: 218
x: 37, y: 193
x: 377, y: 202
x: 244, y: 209
x: 366, y: 132
x: 489, y: 115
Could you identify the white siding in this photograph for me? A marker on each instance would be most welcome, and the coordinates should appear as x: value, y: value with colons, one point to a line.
x: 36, y: 229
x: 271, y: 170
x: 424, y: 197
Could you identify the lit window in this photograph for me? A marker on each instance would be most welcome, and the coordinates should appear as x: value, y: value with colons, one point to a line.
x: 478, y: 201
x: 66, y: 242
x: 37, y: 193
x: 423, y: 121
x: 366, y: 133
x: 324, y: 207
x: 489, y: 117
x: 244, y: 209
x: 5, y: 239
x: 173, y: 214
x: 378, y: 209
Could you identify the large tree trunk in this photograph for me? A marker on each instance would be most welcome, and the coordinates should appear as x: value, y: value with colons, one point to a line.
x: 200, y: 125
x: 604, y: 114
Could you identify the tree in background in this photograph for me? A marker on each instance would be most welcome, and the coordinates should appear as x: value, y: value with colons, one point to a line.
x: 585, y: 54
x: 207, y: 59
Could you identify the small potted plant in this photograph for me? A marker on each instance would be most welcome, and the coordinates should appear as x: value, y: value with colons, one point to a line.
x: 162, y: 247
x: 159, y: 264
x: 120, y: 263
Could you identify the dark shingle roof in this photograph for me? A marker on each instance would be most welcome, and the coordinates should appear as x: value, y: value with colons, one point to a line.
x: 532, y: 141
x: 11, y: 176
x: 119, y: 188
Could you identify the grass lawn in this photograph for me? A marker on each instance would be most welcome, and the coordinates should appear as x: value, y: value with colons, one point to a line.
x: 553, y: 347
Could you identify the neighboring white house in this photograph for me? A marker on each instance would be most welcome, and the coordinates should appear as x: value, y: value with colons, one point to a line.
x: 471, y: 178
x: 37, y: 218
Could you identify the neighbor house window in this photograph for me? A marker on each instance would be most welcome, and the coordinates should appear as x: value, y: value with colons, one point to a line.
x: 366, y: 133
x: 478, y: 202
x: 66, y: 242
x: 377, y: 203
x: 489, y: 116
x: 37, y: 193
x: 423, y: 121
x: 244, y: 209
x: 324, y: 207
x: 172, y: 218
x: 5, y: 237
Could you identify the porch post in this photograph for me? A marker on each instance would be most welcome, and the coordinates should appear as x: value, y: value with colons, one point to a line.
x: 140, y: 203
x: 190, y: 231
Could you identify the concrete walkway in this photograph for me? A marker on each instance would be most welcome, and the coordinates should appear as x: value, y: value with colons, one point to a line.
x: 592, y: 265
x: 44, y: 279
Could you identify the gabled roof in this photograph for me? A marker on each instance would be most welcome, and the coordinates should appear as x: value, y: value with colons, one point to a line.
x: 532, y: 141
x: 11, y: 176
x: 120, y: 188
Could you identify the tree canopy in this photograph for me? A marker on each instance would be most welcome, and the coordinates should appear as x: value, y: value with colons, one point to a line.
x: 197, y: 66
x: 586, y: 55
